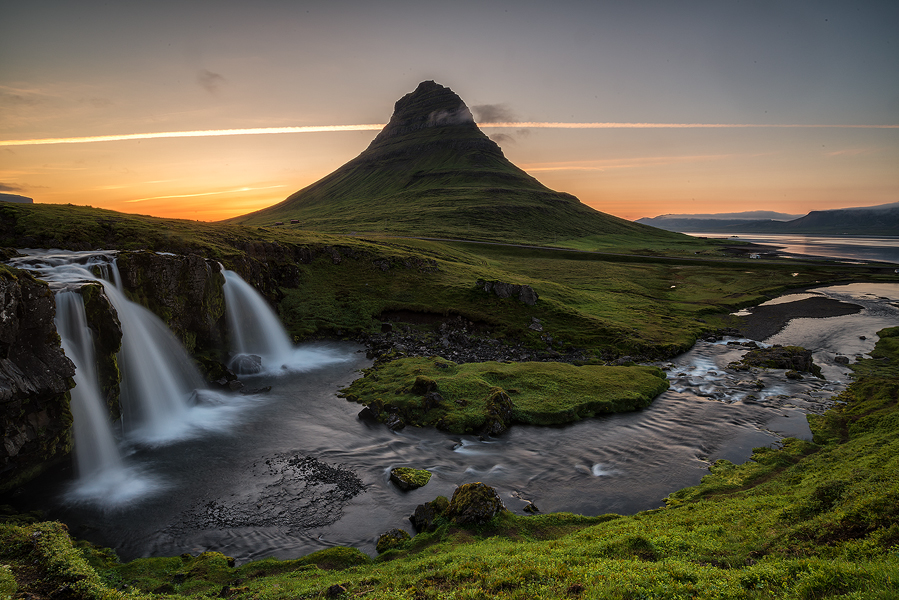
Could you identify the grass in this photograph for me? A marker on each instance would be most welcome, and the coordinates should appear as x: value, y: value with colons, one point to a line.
x: 541, y: 393
x: 807, y: 521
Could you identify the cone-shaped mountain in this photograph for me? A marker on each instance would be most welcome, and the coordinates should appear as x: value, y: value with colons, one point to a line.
x: 432, y: 172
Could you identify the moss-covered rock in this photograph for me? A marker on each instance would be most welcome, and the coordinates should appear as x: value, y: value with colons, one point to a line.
x: 474, y: 504
x: 407, y: 478
x: 392, y: 540
x: 425, y: 515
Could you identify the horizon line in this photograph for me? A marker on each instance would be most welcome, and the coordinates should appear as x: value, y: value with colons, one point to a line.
x: 377, y: 127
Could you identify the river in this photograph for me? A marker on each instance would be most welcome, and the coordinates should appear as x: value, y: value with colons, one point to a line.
x: 843, y: 247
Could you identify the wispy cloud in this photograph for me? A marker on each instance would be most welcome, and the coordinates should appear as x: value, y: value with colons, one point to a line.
x: 520, y: 126
x: 493, y: 113
x: 209, y: 81
x: 625, y: 163
x: 234, y: 191
x: 11, y: 187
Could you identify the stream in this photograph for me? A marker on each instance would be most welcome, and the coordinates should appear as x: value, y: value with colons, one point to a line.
x: 293, y: 470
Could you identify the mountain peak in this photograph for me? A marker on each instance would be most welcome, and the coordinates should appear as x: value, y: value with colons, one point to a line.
x: 430, y: 105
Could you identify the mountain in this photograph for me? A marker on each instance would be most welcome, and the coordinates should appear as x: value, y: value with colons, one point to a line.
x: 882, y: 219
x: 432, y: 172
x: 15, y: 198
x: 712, y: 223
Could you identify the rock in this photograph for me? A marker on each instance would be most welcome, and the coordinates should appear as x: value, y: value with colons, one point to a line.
x: 368, y: 414
x: 474, y: 504
x: 186, y: 291
x: 246, y: 364
x: 793, y: 375
x: 35, y: 378
x: 535, y: 325
x: 394, y: 422
x: 407, y: 478
x: 531, y: 508
x: 335, y: 591
x: 103, y: 321
x: 423, y: 385
x: 499, y: 412
x: 793, y: 358
x: 523, y: 293
x: 843, y: 360
x: 395, y: 538
x: 431, y: 400
x: 425, y: 514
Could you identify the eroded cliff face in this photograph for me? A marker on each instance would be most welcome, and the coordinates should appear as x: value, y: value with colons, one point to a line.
x: 185, y: 291
x: 103, y: 320
x: 35, y: 378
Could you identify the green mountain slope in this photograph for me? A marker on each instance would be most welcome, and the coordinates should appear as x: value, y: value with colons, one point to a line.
x: 432, y: 172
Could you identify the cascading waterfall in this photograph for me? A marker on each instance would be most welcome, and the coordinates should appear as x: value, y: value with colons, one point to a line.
x: 96, y: 453
x: 158, y: 377
x: 254, y: 327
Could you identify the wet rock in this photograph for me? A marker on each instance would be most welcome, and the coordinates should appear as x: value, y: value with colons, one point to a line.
x: 793, y: 375
x: 425, y: 514
x: 531, y: 508
x: 474, y: 504
x: 407, y: 478
x: 394, y: 422
x: 246, y: 364
x: 794, y: 358
x: 35, y: 378
x: 368, y: 414
x: 395, y: 538
x: 842, y: 360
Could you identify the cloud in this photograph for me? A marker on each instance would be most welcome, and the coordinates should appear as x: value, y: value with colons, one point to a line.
x: 450, y: 117
x: 502, y: 138
x: 97, y: 102
x: 493, y: 113
x: 210, y: 81
x: 11, y: 187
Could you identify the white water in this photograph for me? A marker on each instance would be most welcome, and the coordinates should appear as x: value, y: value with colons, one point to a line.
x: 95, y: 445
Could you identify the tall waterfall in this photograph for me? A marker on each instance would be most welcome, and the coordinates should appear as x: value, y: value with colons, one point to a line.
x: 95, y: 445
x: 253, y: 325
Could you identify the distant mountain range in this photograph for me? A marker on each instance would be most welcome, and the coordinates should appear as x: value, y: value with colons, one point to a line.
x: 882, y: 219
x: 432, y: 172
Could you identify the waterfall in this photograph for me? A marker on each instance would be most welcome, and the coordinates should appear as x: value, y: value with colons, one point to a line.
x: 159, y: 379
x: 254, y: 327
x: 95, y: 447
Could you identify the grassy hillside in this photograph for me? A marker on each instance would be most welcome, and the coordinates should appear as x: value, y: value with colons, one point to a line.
x: 807, y: 521
x: 432, y: 172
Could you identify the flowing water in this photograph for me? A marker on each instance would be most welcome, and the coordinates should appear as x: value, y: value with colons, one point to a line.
x: 294, y: 470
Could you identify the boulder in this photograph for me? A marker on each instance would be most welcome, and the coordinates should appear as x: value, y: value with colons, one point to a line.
x: 499, y: 412
x: 474, y: 504
x: 795, y: 358
x: 407, y: 478
x: 425, y: 514
x: 395, y: 538
x: 246, y: 364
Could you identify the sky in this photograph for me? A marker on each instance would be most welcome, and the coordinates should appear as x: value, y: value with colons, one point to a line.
x: 804, y: 95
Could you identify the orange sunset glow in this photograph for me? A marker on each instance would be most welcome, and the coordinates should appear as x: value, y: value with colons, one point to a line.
x: 647, y: 111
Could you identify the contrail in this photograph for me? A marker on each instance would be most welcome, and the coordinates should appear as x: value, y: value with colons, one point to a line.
x: 377, y: 127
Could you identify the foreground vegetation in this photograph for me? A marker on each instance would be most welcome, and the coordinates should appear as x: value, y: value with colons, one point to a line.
x: 807, y: 521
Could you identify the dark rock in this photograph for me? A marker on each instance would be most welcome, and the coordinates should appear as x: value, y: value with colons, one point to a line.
x: 843, y: 360
x: 425, y: 514
x: 185, y: 291
x: 793, y: 375
x: 368, y: 414
x: 423, y: 385
x: 474, y: 504
x: 246, y: 364
x: 394, y: 422
x: 522, y: 293
x: 431, y: 400
x: 536, y: 325
x: 531, y: 508
x: 35, y: 378
x: 395, y: 538
x: 335, y: 591
x: 235, y: 385
x: 793, y: 358
x: 499, y: 412
x: 104, y: 324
